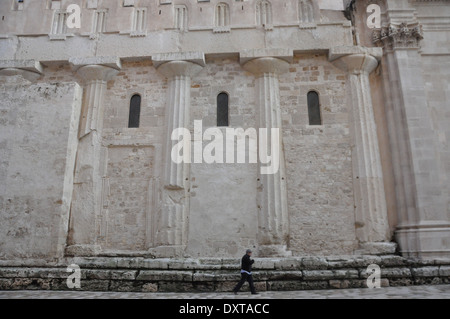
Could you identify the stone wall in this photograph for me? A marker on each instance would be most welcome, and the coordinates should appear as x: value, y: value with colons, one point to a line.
x: 318, y: 159
x: 223, y: 205
x: 38, y: 145
x: 221, y: 274
x: 381, y: 153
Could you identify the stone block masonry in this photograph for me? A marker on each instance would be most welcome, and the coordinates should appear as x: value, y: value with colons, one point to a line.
x: 86, y: 117
x: 220, y: 274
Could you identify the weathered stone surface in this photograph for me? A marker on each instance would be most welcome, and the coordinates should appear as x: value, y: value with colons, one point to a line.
x: 124, y: 275
x: 97, y: 262
x: 149, y: 287
x: 128, y: 262
x: 444, y: 271
x: 277, y: 275
x: 97, y: 274
x: 49, y: 273
x: 329, y: 274
x: 428, y: 281
x: 314, y: 263
x: 155, y: 275
x: 30, y: 284
x: 5, y: 284
x: 425, y: 272
x: 210, y: 278
x: 184, y: 264
x: 210, y: 261
x: 348, y: 186
x: 231, y: 264
x: 296, y: 285
x: 265, y: 264
x: 13, y: 272
x: 94, y: 285
x: 391, y: 273
x: 354, y: 283
x: 396, y: 282
x: 154, y: 263
x: 288, y: 264
x: 393, y: 260
x: 215, y: 276
x: 175, y: 287
x: 123, y: 285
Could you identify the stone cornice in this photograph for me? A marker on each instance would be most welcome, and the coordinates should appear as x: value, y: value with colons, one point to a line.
x: 30, y: 70
x: 341, y: 51
x: 194, y: 57
x: 283, y: 54
x: 266, y: 65
x: 108, y: 61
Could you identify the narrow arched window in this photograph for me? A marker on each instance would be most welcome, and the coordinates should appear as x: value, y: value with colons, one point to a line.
x: 222, y: 15
x: 306, y: 11
x: 264, y: 13
x: 222, y: 109
x: 135, y: 111
x: 314, y: 108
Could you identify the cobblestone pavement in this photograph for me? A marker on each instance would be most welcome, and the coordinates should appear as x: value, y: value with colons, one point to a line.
x: 411, y: 292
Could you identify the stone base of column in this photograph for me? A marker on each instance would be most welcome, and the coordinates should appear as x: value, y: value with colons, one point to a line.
x: 168, y: 251
x: 424, y: 240
x: 376, y: 248
x: 274, y: 251
x: 83, y: 250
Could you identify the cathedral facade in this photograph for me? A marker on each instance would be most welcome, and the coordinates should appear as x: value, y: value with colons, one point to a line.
x: 91, y: 99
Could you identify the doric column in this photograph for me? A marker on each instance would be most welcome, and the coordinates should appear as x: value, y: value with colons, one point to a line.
x: 273, y: 220
x: 86, y: 201
x: 173, y: 219
x: 423, y: 227
x: 370, y: 200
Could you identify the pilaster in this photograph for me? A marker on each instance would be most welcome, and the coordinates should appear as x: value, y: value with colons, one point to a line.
x: 273, y: 219
x: 371, y: 220
x: 86, y: 202
x: 174, y: 216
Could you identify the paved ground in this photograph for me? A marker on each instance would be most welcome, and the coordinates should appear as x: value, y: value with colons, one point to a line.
x: 412, y: 292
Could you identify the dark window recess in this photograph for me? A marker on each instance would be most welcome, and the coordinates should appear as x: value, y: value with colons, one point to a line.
x: 135, y: 111
x: 222, y: 109
x: 314, y: 109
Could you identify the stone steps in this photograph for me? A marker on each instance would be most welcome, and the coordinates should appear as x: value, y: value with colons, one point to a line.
x: 219, y: 274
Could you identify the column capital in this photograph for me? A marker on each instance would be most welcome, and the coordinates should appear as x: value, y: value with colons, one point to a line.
x: 30, y: 70
x: 356, y: 63
x: 398, y: 36
x: 355, y: 59
x: 283, y: 54
x: 194, y: 57
x: 179, y: 68
x: 96, y: 72
x: 109, y: 61
x: 96, y: 68
x: 265, y: 65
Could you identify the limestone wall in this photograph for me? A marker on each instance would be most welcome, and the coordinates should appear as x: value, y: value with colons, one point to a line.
x: 318, y: 159
x: 223, y: 207
x: 381, y: 153
x: 38, y: 138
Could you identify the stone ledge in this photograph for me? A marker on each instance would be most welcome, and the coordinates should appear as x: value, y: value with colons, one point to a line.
x: 220, y: 274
